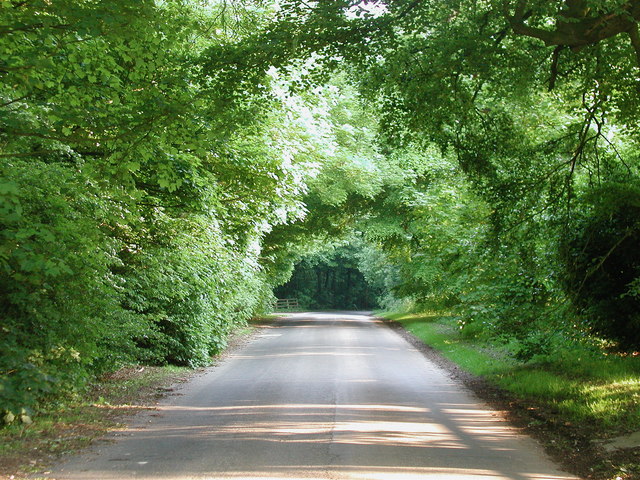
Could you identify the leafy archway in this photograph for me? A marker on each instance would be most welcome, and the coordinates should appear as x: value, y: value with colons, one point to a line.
x: 332, y: 279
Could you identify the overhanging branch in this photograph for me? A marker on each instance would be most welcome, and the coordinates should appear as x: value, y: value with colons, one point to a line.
x: 574, y: 27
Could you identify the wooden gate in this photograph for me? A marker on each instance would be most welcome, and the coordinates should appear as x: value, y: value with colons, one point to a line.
x: 286, y: 305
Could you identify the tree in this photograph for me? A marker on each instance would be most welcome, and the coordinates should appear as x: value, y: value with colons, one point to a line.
x: 536, y: 101
x: 136, y: 191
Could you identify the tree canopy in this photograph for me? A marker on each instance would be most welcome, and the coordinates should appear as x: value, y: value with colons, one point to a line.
x: 166, y: 164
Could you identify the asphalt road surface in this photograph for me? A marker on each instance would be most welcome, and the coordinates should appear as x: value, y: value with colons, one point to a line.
x: 319, y: 395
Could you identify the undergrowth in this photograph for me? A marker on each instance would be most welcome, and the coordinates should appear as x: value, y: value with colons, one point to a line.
x: 72, y: 423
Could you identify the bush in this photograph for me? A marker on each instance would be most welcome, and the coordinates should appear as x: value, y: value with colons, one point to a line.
x: 602, y: 261
x: 58, y: 298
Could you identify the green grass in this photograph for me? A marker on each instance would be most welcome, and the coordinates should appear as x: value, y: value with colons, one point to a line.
x: 583, y: 387
x: 437, y: 331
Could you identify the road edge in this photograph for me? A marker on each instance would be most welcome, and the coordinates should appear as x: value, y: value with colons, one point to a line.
x: 526, y: 417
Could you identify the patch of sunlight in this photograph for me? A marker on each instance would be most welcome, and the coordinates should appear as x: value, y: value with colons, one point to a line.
x: 305, y: 408
x: 440, y: 473
x: 609, y: 403
x: 395, y: 434
x: 358, y: 472
x: 622, y: 388
x: 606, y: 408
x: 538, y: 383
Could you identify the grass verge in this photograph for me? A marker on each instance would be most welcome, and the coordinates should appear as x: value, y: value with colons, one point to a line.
x: 574, y: 401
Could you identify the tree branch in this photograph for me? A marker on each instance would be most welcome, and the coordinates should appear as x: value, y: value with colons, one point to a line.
x: 554, y: 66
x: 578, y: 30
x: 6, y: 104
x: 34, y: 26
x: 604, y: 258
x: 40, y: 153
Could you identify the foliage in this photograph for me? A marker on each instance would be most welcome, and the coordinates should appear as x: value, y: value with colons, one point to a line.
x: 603, y: 261
x: 331, y: 279
x: 166, y: 164
x: 536, y: 105
x: 53, y: 258
x: 131, y: 212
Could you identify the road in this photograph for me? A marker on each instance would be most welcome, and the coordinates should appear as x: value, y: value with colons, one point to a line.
x: 326, y: 396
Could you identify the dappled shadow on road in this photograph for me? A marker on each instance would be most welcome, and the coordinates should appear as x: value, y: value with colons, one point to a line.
x: 362, y: 441
x: 356, y: 411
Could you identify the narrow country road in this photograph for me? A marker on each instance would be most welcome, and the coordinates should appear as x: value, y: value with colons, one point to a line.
x: 327, y: 396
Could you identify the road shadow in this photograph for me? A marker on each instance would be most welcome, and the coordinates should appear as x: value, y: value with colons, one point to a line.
x: 321, y: 395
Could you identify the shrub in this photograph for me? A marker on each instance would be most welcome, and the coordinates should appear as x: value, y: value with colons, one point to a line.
x: 602, y: 262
